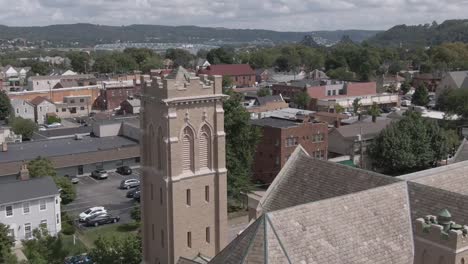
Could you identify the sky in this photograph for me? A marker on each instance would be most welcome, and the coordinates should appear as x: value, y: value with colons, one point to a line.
x: 280, y: 15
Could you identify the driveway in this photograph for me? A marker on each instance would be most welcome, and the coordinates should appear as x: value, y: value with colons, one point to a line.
x: 92, y: 192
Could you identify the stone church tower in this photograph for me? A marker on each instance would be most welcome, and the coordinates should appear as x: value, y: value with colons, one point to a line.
x: 184, y: 192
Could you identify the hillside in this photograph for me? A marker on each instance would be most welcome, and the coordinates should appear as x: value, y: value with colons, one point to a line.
x: 423, y: 35
x: 90, y: 35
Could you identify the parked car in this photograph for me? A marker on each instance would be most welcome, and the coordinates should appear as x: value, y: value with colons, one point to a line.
x: 101, y: 219
x: 80, y: 259
x: 42, y: 128
x: 131, y: 193
x: 100, y: 174
x: 54, y: 125
x: 136, y: 196
x: 124, y: 170
x: 73, y: 179
x: 92, y: 212
x: 129, y: 183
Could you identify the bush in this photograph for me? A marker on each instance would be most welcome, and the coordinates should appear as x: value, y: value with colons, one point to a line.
x: 53, y: 119
x: 67, y: 224
x: 68, y: 193
x: 24, y: 127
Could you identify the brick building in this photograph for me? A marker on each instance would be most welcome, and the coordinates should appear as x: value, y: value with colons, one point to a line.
x: 242, y: 75
x: 280, y: 137
x: 114, y: 93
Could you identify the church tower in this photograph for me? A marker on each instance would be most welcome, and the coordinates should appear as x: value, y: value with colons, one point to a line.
x: 184, y: 192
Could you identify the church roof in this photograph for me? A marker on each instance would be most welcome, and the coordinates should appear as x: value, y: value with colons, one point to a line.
x: 304, y: 179
x: 179, y: 74
x: 364, y: 227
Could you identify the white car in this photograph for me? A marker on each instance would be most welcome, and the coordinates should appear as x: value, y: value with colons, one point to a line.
x: 91, y: 212
x: 54, y: 125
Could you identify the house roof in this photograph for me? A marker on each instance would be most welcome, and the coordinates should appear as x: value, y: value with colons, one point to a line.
x: 358, y: 89
x: 304, y: 179
x: 134, y: 102
x: 274, y: 122
x: 228, y: 69
x: 27, y: 190
x: 39, y: 99
x: 462, y: 152
x: 179, y: 74
x: 347, y: 229
x: 458, y: 77
x: 60, y: 77
x: 269, y: 99
x: 366, y: 129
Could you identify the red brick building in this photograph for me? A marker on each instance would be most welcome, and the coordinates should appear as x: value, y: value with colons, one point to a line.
x: 280, y: 137
x: 242, y: 75
x: 113, y: 93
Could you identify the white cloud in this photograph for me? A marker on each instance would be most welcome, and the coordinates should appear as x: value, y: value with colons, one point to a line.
x: 285, y: 15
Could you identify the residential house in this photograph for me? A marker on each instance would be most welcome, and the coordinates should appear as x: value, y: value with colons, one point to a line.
x: 317, y: 75
x: 430, y: 80
x: 14, y: 76
x: 130, y: 106
x: 114, y: 93
x: 27, y: 204
x: 352, y: 140
x: 74, y: 106
x: 241, y: 75
x: 280, y: 137
x: 23, y: 108
x: 256, y: 105
x: 263, y: 75
x: 385, y: 82
x: 453, y: 80
x: 201, y: 64
x: 47, y: 83
x: 42, y: 107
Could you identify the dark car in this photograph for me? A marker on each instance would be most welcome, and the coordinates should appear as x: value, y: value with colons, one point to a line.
x: 124, y: 170
x: 101, y: 219
x: 131, y: 193
x: 80, y: 259
x: 136, y: 196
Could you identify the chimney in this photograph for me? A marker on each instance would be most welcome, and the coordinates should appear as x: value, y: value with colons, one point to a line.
x: 4, y: 147
x: 24, y: 172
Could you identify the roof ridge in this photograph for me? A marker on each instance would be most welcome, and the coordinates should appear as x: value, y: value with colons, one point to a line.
x: 278, y: 239
x: 246, y: 253
x: 432, y: 171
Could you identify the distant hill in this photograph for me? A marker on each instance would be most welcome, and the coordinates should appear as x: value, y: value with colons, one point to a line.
x: 90, y: 35
x: 423, y: 35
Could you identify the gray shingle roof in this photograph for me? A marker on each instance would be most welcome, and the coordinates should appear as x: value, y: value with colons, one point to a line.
x: 365, y: 227
x: 459, y: 77
x: 369, y: 130
x: 462, y: 152
x: 304, y: 179
x: 274, y: 122
x: 269, y: 98
x: 27, y: 190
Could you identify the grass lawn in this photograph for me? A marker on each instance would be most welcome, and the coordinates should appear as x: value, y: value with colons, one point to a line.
x: 114, y: 230
x: 76, y: 249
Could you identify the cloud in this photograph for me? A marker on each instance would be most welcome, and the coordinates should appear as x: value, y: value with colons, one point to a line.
x: 284, y: 15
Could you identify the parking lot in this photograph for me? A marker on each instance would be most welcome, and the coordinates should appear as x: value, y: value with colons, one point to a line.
x: 91, y: 192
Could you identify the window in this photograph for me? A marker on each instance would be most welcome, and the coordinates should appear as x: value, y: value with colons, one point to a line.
x: 43, y: 224
x: 152, y: 231
x: 189, y: 239
x: 40, y: 108
x: 72, y: 101
x: 56, y: 110
x: 42, y: 205
x: 27, y: 231
x: 56, y: 200
x: 189, y: 198
x: 207, y: 235
x: 26, y: 208
x: 25, y: 110
x: 17, y: 110
x: 9, y: 210
x: 82, y: 108
x: 207, y: 193
x: 329, y: 93
x: 152, y: 195
x: 277, y: 160
x: 159, y: 145
x: 162, y: 238
x: 81, y: 100
x: 64, y: 109
x: 318, y: 137
x: 160, y: 196
x: 80, y: 169
x: 187, y: 150
x: 58, y: 218
x: 137, y: 160
x: 205, y: 148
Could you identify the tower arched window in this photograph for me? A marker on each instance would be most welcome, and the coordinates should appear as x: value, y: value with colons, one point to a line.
x: 462, y: 261
x: 159, y: 147
x: 205, y: 147
x: 150, y: 146
x: 187, y: 150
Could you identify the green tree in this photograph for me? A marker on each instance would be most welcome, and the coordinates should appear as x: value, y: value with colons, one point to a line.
x: 454, y: 101
x: 302, y: 100
x: 420, y: 96
x: 150, y: 64
x: 6, y: 242
x: 5, y: 106
x: 44, y: 248
x: 53, y: 119
x: 411, y: 144
x: 139, y: 54
x: 405, y: 87
x: 262, y: 92
x: 136, y: 213
x: 374, y: 111
x: 241, y: 142
x: 117, y: 251
x: 356, y: 105
x: 220, y: 56
x: 180, y: 57
x: 24, y: 127
x: 227, y: 82
x: 338, y: 109
x: 41, y: 167
x: 79, y: 61
x: 105, y: 64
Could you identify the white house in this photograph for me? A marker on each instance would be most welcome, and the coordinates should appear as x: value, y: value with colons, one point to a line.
x: 28, y: 204
x: 23, y: 108
x: 42, y: 107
